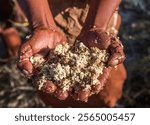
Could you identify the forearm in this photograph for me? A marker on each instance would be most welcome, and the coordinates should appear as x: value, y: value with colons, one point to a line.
x: 37, y: 12
x: 100, y: 13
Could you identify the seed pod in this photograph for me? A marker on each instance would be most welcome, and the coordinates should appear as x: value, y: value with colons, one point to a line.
x: 61, y: 95
x: 49, y: 87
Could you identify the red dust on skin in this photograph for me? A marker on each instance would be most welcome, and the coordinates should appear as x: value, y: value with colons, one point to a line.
x: 82, y: 95
x: 116, y: 48
x: 97, y: 88
x: 61, y: 95
x: 49, y: 87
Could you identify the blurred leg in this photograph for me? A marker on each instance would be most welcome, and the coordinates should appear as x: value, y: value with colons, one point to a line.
x: 12, y: 40
x: 1, y: 30
x: 113, y: 89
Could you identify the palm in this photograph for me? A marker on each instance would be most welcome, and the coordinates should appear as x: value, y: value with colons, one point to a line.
x: 102, y: 40
x: 41, y: 42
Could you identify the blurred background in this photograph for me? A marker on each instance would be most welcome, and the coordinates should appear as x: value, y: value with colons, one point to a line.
x: 17, y: 91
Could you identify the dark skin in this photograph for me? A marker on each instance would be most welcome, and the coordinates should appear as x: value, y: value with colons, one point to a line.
x: 46, y: 36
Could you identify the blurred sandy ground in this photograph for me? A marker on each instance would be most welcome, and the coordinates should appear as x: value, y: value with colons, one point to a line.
x: 16, y: 91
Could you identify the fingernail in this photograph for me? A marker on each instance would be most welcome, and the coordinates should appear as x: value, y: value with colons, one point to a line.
x: 115, y: 62
x: 49, y: 87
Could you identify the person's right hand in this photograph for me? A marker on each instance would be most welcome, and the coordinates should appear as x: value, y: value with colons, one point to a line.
x: 41, y: 42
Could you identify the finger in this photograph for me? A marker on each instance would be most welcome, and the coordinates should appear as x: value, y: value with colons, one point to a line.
x: 82, y: 95
x: 97, y: 88
x: 49, y: 87
x: 103, y: 78
x: 24, y: 59
x: 117, y: 53
x: 116, y: 59
x: 61, y: 95
x: 27, y: 68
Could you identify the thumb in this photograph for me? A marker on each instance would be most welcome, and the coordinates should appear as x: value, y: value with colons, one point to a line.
x: 26, y: 67
x: 117, y: 53
x: 24, y: 59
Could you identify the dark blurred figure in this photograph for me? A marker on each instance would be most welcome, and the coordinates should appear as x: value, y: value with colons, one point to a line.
x: 11, y: 15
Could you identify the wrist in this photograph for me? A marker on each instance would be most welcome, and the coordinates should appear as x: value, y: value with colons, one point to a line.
x: 42, y: 21
x: 100, y: 13
x: 38, y: 13
x: 43, y: 27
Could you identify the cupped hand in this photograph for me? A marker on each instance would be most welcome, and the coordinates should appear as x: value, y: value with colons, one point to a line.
x: 95, y: 37
x: 40, y: 43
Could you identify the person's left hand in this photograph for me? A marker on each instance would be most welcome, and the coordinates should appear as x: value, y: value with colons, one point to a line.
x: 95, y: 37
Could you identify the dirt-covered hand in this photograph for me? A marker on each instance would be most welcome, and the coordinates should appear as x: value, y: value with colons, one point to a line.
x: 40, y: 43
x: 97, y: 38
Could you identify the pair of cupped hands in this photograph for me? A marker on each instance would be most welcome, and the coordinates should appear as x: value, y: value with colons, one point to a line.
x: 44, y: 40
